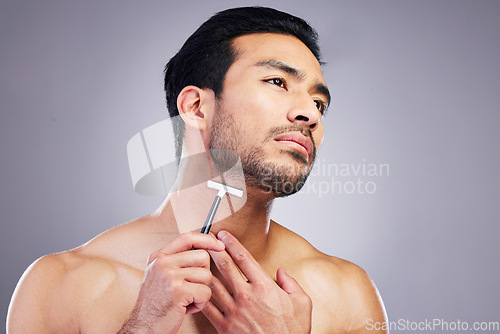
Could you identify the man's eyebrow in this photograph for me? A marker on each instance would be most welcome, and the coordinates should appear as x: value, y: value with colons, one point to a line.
x: 276, y: 64
x: 298, y: 74
x: 322, y: 89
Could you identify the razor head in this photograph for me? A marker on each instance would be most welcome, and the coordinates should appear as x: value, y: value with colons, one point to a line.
x: 223, y: 189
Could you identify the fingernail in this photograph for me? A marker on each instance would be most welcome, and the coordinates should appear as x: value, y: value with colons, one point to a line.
x: 221, y: 243
x: 222, y: 235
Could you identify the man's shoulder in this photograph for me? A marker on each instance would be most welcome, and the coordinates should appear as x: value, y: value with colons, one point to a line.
x: 113, y: 254
x: 105, y: 257
x: 73, y: 265
x: 302, y: 257
x: 46, y: 289
x: 73, y: 270
x: 57, y: 288
x: 341, y: 289
x: 319, y: 268
x: 300, y: 253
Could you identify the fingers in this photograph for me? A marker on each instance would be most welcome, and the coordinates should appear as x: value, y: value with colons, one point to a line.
x: 221, y: 296
x: 287, y: 282
x: 195, y: 275
x: 200, y: 297
x: 170, y: 277
x: 213, y: 314
x: 195, y: 258
x: 188, y: 241
x: 228, y: 269
x: 176, y: 282
x: 221, y: 304
x: 292, y: 287
x: 241, y: 257
x: 192, y: 240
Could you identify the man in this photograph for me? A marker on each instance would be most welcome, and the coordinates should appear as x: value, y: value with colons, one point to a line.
x: 248, y: 80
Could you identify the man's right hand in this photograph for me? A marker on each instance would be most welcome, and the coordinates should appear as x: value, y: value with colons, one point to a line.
x: 176, y: 283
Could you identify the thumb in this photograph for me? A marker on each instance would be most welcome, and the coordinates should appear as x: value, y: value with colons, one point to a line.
x: 288, y: 283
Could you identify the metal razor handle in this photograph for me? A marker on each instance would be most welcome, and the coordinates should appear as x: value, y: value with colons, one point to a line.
x: 211, y: 214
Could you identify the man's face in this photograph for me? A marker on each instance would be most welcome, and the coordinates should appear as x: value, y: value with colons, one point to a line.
x: 270, y: 111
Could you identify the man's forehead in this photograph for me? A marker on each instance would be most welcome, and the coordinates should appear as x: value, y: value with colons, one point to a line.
x: 256, y: 50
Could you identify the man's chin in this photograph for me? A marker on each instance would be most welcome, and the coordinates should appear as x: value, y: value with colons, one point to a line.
x: 276, y: 185
x: 299, y: 157
x: 280, y: 176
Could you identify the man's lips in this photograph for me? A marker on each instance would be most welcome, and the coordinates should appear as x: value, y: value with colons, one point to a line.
x: 297, y: 141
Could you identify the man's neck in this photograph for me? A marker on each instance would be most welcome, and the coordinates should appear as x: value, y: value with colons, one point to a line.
x: 247, y: 218
x: 250, y: 224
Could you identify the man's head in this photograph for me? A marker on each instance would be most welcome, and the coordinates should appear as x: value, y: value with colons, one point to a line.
x: 284, y: 52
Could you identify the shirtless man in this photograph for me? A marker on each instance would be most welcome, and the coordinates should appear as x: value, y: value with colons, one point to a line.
x: 255, y: 86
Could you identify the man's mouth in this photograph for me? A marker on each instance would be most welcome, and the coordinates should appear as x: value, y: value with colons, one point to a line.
x: 296, y: 141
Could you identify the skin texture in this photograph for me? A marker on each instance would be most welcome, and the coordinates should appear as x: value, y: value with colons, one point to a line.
x: 143, y: 277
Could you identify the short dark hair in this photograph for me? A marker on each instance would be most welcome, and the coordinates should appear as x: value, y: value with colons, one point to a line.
x: 207, y: 54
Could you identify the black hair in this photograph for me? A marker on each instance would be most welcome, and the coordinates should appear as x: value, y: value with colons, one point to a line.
x: 207, y: 54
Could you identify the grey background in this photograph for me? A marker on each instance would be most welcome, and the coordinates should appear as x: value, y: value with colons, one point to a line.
x: 415, y: 85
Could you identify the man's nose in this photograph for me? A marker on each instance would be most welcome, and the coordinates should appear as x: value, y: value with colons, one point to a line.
x: 305, y: 113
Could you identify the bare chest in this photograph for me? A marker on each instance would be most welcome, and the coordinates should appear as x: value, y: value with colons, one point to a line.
x: 112, y: 308
x: 108, y: 314
x: 104, y: 320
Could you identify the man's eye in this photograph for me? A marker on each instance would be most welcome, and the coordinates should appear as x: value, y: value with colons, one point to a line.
x: 320, y: 105
x: 278, y: 82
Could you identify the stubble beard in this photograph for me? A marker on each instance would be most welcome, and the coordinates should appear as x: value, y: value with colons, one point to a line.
x: 279, y: 179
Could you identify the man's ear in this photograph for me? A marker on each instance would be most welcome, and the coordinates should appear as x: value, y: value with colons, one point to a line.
x: 194, y: 105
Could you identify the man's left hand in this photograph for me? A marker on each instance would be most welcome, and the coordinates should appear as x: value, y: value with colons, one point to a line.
x: 256, y: 303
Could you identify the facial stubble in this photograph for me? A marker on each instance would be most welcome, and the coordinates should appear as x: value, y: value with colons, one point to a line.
x: 281, y: 179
